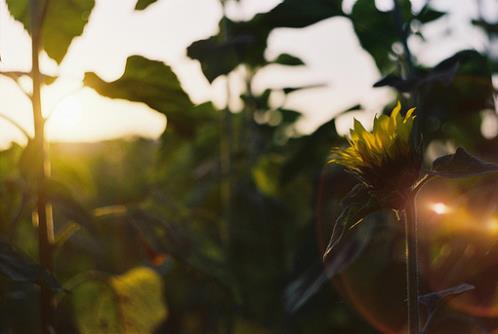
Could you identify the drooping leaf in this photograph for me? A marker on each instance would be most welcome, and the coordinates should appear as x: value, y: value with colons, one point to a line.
x: 143, y: 4
x: 64, y: 20
x: 155, y: 84
x: 461, y: 164
x: 288, y: 60
x: 18, y: 267
x: 357, y: 204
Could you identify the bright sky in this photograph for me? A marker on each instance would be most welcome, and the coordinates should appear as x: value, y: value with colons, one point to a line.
x: 165, y: 29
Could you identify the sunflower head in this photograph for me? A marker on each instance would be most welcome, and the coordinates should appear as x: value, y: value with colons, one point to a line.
x: 384, y: 159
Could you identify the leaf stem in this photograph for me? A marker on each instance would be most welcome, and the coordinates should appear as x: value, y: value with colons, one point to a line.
x: 412, y: 265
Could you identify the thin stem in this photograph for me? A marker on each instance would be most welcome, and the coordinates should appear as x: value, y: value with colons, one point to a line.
x: 412, y: 266
x: 44, y: 212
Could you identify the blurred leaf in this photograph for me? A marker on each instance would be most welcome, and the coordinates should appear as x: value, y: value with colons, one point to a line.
x: 17, y: 267
x: 143, y: 4
x: 467, y: 78
x: 65, y: 19
x: 377, y: 30
x: 490, y: 28
x: 311, y: 153
x: 140, y: 298
x: 62, y: 197
x: 427, y: 14
x: 131, y: 303
x: 266, y: 174
x: 289, y: 60
x: 245, y: 41
x: 155, y: 84
x: 461, y: 164
x: 288, y: 90
x: 357, y: 204
x: 443, y: 73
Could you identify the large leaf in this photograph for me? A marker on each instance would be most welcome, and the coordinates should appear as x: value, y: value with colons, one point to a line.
x: 131, y: 303
x: 153, y: 83
x: 64, y: 20
x: 461, y: 164
x: 245, y: 42
x: 18, y: 267
x: 143, y: 4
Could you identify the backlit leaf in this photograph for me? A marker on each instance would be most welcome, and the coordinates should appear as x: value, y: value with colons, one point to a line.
x: 153, y: 83
x: 65, y: 19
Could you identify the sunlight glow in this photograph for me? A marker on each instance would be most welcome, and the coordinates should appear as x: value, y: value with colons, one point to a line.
x: 492, y: 225
x: 439, y: 208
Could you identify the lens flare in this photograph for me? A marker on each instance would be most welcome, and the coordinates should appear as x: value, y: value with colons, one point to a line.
x: 439, y: 208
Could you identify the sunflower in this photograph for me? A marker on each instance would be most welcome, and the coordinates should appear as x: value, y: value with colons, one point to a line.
x: 384, y: 159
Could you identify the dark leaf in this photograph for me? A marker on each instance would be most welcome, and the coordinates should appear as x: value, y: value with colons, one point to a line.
x: 153, y: 83
x: 461, y: 164
x: 289, y: 60
x: 143, y: 4
x: 490, y: 28
x: 65, y: 19
x: 308, y: 284
x: 311, y: 152
x: 288, y: 90
x: 18, y: 267
x: 427, y: 14
x: 245, y: 41
x: 377, y: 30
x: 357, y: 204
x: 63, y: 198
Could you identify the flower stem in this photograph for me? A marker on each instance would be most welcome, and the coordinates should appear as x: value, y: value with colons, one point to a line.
x: 412, y: 266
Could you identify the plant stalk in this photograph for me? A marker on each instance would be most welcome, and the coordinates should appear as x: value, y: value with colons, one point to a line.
x: 44, y: 212
x: 412, y: 266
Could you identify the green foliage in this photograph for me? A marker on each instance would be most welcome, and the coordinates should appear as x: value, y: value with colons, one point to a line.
x: 131, y: 303
x: 244, y: 42
x: 65, y: 20
x: 19, y: 268
x: 143, y: 4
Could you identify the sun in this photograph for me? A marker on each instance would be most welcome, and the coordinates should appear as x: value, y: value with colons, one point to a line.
x: 66, y: 117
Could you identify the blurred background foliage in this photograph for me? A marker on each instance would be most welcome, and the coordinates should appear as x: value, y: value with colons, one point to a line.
x: 219, y: 227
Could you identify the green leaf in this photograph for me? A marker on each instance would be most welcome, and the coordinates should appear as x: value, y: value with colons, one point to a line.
x: 288, y: 90
x: 155, y: 84
x: 377, y: 30
x: 357, y: 204
x: 17, y: 267
x: 288, y: 60
x: 245, y: 41
x: 131, y: 303
x: 143, y: 4
x: 427, y: 14
x: 461, y: 164
x: 64, y: 20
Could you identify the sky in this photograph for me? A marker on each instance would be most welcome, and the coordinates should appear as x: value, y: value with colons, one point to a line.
x: 164, y: 31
